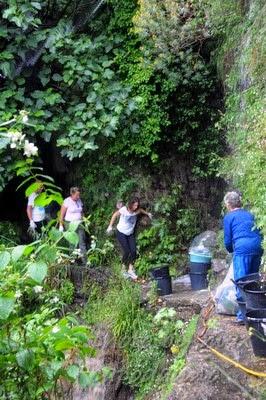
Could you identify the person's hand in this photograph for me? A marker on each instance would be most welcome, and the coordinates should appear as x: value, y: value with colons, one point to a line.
x: 109, y: 230
x: 150, y: 215
x: 33, y: 226
x: 61, y: 228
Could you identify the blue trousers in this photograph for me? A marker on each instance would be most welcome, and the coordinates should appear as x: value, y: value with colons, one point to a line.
x: 244, y: 265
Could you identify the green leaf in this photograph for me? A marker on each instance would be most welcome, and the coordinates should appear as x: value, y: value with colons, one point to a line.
x: 41, y: 200
x: 17, y: 252
x: 73, y: 226
x: 87, y: 379
x: 71, y: 237
x: 63, y: 345
x: 7, y: 304
x: 25, y: 359
x: 57, y: 77
x: 73, y: 371
x: 4, y: 259
x: 33, y: 188
x: 37, y: 271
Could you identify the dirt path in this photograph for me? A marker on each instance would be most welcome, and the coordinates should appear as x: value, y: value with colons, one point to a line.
x: 205, y: 376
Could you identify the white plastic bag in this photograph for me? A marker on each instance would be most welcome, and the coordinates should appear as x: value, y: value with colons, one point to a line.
x: 225, y: 295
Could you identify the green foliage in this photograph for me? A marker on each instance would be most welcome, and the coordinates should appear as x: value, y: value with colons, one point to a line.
x: 168, y: 28
x: 35, y: 343
x: 179, y: 360
x: 171, y: 230
x: 9, y: 233
x: 242, y: 64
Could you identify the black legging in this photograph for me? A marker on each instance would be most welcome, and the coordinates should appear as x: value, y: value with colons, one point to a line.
x: 128, y: 245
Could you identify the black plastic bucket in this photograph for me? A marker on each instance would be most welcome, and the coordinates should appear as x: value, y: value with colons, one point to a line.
x: 255, y: 319
x: 162, y: 271
x: 241, y: 282
x: 255, y: 293
x: 242, y: 308
x: 198, y: 280
x: 199, y: 267
x: 164, y: 285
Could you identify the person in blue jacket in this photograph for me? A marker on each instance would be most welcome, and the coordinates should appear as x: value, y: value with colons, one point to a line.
x: 243, y: 239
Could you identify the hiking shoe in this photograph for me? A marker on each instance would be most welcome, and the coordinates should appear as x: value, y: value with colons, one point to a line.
x: 132, y: 275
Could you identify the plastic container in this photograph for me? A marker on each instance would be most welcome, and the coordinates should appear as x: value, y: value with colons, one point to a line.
x: 199, y: 255
x: 198, y: 280
x: 256, y: 319
x: 160, y: 271
x: 199, y: 267
x: 241, y: 282
x: 164, y: 285
x: 255, y: 293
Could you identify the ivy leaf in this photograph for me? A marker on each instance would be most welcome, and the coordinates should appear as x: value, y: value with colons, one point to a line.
x: 4, y: 259
x: 37, y: 271
x: 17, y: 252
x: 7, y: 304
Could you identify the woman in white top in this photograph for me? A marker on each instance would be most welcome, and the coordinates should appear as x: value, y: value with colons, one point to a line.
x: 36, y: 214
x: 72, y: 210
x: 126, y: 232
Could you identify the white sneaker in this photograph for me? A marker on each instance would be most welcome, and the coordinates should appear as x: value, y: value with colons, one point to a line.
x: 125, y: 274
x: 132, y: 274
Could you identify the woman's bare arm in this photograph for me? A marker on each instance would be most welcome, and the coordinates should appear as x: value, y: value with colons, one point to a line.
x: 114, y: 217
x: 62, y: 214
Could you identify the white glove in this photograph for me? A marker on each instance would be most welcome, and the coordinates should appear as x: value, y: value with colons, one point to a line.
x: 32, y: 224
x: 109, y: 230
x: 61, y: 228
x: 150, y: 215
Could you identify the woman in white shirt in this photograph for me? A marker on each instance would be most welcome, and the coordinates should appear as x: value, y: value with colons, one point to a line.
x: 126, y: 233
x: 36, y: 214
x: 72, y: 210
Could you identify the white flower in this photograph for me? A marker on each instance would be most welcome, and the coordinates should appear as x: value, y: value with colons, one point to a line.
x: 24, y: 115
x: 55, y: 329
x: 38, y: 289
x: 15, y: 135
x: 18, y: 294
x: 55, y: 300
x: 93, y: 244
x: 30, y: 149
x: 76, y: 252
x: 13, y: 145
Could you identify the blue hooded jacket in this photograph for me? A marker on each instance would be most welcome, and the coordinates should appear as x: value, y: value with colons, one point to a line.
x: 240, y: 234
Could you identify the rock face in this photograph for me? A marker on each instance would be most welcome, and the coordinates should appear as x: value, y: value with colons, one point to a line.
x: 107, y: 355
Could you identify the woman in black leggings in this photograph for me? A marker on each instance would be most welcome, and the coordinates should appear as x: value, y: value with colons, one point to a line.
x: 126, y: 233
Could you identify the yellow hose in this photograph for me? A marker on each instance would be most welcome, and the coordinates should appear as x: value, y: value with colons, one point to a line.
x: 236, y: 364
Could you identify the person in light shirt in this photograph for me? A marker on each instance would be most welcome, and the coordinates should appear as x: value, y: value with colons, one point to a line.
x: 36, y: 214
x: 126, y: 233
x: 72, y: 210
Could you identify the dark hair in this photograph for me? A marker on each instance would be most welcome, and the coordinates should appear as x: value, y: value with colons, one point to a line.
x: 132, y: 201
